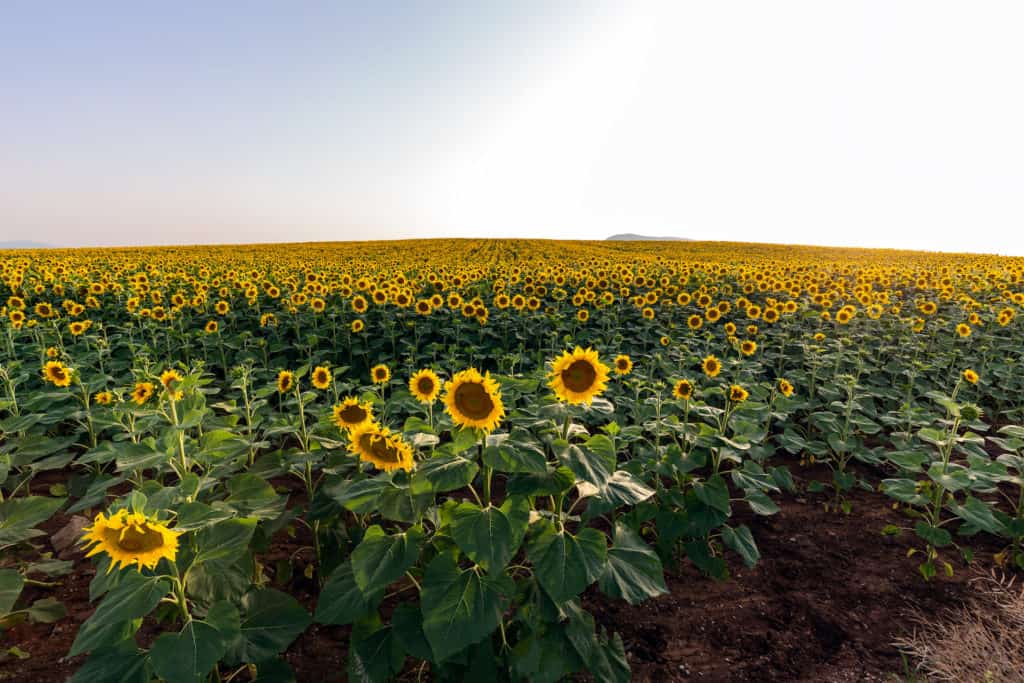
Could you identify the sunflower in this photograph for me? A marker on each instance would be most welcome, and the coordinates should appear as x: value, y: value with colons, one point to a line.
x: 694, y: 322
x: 321, y: 377
x: 51, y: 352
x: 683, y: 390
x: 473, y: 400
x: 169, y: 377
x: 748, y: 347
x: 738, y: 394
x: 285, y: 381
x: 380, y: 374
x: 963, y: 329
x: 785, y: 388
x: 350, y: 413
x: 425, y: 386
x: 130, y: 538
x: 222, y: 307
x: 142, y: 392
x: 77, y: 328
x: 211, y: 326
x: 711, y: 366
x: 57, y: 373
x: 665, y: 341
x: 623, y: 364
x: 970, y: 376
x: 583, y: 315
x: 358, y: 326
x: 375, y: 444
x: 579, y: 376
x: 103, y: 398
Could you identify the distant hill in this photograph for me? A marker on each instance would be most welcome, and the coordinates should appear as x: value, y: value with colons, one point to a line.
x: 630, y: 237
x: 24, y: 244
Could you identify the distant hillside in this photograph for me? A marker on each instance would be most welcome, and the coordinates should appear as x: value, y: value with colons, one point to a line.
x: 630, y: 237
x: 24, y: 244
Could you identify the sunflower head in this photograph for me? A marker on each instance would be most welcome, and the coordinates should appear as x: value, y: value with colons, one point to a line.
x: 748, y: 347
x: 57, y: 373
x: 285, y: 381
x: 321, y: 377
x: 350, y: 413
x: 375, y: 444
x: 103, y: 398
x: 424, y: 385
x: 711, y: 366
x: 970, y: 376
x: 963, y: 329
x: 785, y: 388
x: 380, y: 374
x: 142, y: 392
x: 623, y: 364
x: 738, y: 394
x: 474, y: 400
x: 665, y: 341
x: 358, y: 326
x: 579, y: 376
x: 211, y: 326
x: 683, y: 389
x: 130, y: 538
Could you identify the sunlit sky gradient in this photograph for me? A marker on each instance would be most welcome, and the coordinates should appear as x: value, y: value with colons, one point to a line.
x: 871, y: 123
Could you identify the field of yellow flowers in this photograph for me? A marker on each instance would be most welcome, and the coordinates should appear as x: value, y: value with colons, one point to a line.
x: 464, y: 443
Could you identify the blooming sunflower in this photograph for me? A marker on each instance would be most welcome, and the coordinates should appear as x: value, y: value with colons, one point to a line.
x: 321, y: 377
x: 711, y: 366
x: 103, y: 398
x: 683, y: 390
x: 738, y: 394
x: 474, y: 400
x: 358, y: 325
x: 377, y: 445
x: 971, y: 376
x: 168, y: 378
x: 142, y: 392
x: 748, y: 347
x: 130, y: 538
x: 57, y: 373
x: 380, y: 374
x: 350, y: 413
x: 579, y: 376
x: 285, y: 381
x: 425, y: 385
x: 963, y: 329
x: 211, y: 326
x: 623, y: 364
x: 785, y: 388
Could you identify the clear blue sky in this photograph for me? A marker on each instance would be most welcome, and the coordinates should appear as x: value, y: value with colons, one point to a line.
x: 874, y: 123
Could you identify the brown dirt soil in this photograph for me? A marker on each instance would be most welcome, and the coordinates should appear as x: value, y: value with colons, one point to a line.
x: 825, y: 603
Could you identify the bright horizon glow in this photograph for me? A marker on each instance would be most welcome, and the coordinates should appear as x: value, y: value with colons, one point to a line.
x: 883, y: 123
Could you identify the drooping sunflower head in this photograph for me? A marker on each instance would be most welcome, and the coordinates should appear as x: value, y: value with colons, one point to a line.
x: 474, y: 400
x: 425, y: 385
x: 321, y: 377
x: 285, y: 381
x: 57, y: 373
x: 142, y: 392
x: 623, y: 364
x: 375, y: 444
x: 579, y: 376
x: 711, y: 366
x: 683, y: 390
x: 131, y: 538
x: 380, y: 374
x: 350, y: 413
x: 970, y: 376
x: 785, y: 387
x: 738, y: 394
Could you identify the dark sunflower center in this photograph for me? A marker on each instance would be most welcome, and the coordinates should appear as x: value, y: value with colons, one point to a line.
x: 136, y: 538
x: 353, y: 414
x: 579, y: 376
x: 473, y: 401
x: 57, y: 373
x: 623, y: 364
x: 321, y: 377
x: 425, y: 385
x: 379, y: 447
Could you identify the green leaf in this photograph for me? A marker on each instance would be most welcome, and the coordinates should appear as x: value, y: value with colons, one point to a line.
x: 19, y: 515
x: 407, y: 624
x: 47, y: 611
x: 460, y: 607
x: 566, y: 564
x: 978, y: 513
x: 440, y: 474
x: 11, y: 583
x: 484, y: 535
x: 134, y: 597
x: 224, y: 541
x: 187, y: 656
x: 952, y: 478
x: 359, y: 496
x: 341, y: 601
x: 589, y: 466
x: 934, y: 535
x: 622, y: 488
x: 122, y: 663
x: 381, y: 559
x: 271, y: 620
x: 274, y: 671
x: 714, y: 493
x: 634, y: 572
x: 514, y: 458
x: 252, y: 496
x: 742, y: 542
x: 196, y: 515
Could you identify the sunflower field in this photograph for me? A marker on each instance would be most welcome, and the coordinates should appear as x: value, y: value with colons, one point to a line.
x: 458, y: 442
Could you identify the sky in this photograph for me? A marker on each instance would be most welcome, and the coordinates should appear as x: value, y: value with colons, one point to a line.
x: 875, y: 123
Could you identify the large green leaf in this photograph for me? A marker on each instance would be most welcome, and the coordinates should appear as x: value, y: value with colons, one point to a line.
x: 135, y: 596
x: 590, y: 466
x: 187, y: 656
x: 122, y: 663
x: 252, y: 496
x: 224, y: 541
x: 714, y: 492
x: 485, y: 535
x: 11, y: 583
x: 381, y: 559
x: 271, y: 620
x: 978, y: 513
x: 19, y: 515
x: 341, y: 601
x: 742, y: 542
x: 460, y: 607
x: 634, y: 572
x: 445, y: 473
x: 509, y: 457
x: 565, y: 564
